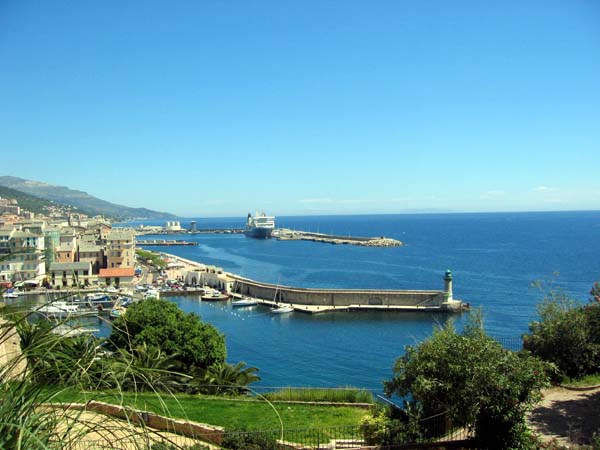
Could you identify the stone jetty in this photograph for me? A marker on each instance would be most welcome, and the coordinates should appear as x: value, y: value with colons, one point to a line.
x: 285, y: 234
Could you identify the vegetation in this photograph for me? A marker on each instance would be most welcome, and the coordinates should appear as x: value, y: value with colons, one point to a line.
x: 585, y: 381
x: 233, y: 413
x: 249, y: 441
x: 28, y: 202
x: 568, y: 335
x: 474, y: 381
x: 158, y: 323
x: 333, y: 395
x: 224, y: 378
x: 46, y: 366
x: 154, y: 258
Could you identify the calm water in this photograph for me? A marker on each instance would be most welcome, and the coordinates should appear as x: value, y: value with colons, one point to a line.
x: 494, y: 259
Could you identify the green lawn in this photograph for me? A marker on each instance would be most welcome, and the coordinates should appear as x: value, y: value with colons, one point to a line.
x: 229, y: 413
x: 588, y: 380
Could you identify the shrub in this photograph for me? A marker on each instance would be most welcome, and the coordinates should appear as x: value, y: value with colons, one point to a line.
x: 249, y: 441
x: 568, y: 335
x: 473, y: 380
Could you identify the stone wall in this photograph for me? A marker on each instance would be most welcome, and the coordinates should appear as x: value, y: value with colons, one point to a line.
x: 209, y: 433
x: 337, y: 297
x: 12, y: 364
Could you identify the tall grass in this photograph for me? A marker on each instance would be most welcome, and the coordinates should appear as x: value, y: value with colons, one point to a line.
x: 37, y: 366
x: 331, y: 395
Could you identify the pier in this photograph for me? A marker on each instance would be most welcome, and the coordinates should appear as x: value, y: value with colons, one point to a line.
x: 314, y: 300
x: 144, y: 231
x: 164, y: 242
x: 318, y: 300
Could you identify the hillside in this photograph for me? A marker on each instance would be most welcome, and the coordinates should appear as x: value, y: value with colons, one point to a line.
x: 79, y: 199
x: 29, y: 202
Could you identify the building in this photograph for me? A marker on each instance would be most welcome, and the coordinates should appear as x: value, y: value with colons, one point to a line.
x: 173, y: 226
x: 66, y: 252
x: 70, y: 274
x: 117, y: 276
x: 25, y: 260
x: 120, y: 249
x: 52, y: 240
x: 9, y: 206
x: 90, y: 252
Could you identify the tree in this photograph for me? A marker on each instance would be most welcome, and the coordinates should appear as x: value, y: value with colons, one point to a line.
x: 226, y: 378
x: 473, y: 380
x: 567, y: 334
x: 145, y: 369
x: 161, y: 324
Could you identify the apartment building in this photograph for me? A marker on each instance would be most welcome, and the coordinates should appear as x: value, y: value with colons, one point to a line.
x: 120, y: 249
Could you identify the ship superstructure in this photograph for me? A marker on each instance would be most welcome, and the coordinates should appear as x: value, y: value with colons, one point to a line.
x: 259, y: 226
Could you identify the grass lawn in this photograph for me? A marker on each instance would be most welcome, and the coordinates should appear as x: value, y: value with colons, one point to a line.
x: 229, y: 413
x: 588, y: 380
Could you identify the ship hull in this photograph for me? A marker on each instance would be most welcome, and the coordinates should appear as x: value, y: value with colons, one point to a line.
x: 258, y: 233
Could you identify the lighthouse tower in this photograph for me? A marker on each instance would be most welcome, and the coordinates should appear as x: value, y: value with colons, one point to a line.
x: 448, y: 286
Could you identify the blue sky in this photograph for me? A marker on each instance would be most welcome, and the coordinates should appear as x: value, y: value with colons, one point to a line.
x: 217, y: 108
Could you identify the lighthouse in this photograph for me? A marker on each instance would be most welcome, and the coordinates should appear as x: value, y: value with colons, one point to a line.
x: 448, y: 286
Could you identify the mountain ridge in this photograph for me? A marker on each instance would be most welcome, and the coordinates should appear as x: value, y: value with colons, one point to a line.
x: 80, y: 200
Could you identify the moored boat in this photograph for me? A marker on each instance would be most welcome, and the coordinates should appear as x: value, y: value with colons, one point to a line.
x: 244, y: 301
x: 62, y: 310
x: 282, y: 309
x: 152, y: 293
x: 214, y: 296
x: 99, y: 300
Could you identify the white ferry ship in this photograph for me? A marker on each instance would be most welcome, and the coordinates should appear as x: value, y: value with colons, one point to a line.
x: 260, y: 226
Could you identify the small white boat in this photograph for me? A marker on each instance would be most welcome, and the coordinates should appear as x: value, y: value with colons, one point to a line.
x: 214, y: 296
x: 282, y: 309
x: 244, y: 301
x: 152, y: 293
x: 10, y: 295
x: 62, y: 310
x: 99, y: 299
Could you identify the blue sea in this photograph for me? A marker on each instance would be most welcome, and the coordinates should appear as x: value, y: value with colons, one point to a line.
x: 495, y: 258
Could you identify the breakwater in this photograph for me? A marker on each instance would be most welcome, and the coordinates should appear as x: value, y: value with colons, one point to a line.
x: 284, y: 234
x: 315, y: 300
x: 324, y: 300
x: 162, y: 242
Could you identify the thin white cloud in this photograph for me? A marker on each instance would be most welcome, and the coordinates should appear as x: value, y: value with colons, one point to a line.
x: 316, y: 200
x: 544, y: 189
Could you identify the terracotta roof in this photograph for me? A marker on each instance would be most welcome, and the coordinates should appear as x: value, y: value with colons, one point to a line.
x: 116, y: 272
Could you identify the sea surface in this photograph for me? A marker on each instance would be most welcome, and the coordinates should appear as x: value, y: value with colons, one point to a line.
x: 495, y: 259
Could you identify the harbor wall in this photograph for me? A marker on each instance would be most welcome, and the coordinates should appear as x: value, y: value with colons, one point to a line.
x: 337, y: 297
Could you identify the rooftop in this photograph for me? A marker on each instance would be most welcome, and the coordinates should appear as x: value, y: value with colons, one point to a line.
x: 117, y: 272
x: 70, y: 266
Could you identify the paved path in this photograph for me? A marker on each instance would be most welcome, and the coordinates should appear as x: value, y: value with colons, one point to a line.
x: 569, y: 416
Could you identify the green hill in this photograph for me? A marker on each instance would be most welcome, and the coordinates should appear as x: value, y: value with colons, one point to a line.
x: 29, y: 202
x: 84, y: 202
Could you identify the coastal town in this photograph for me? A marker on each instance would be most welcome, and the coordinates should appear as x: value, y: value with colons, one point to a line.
x: 62, y: 249
x: 65, y: 250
